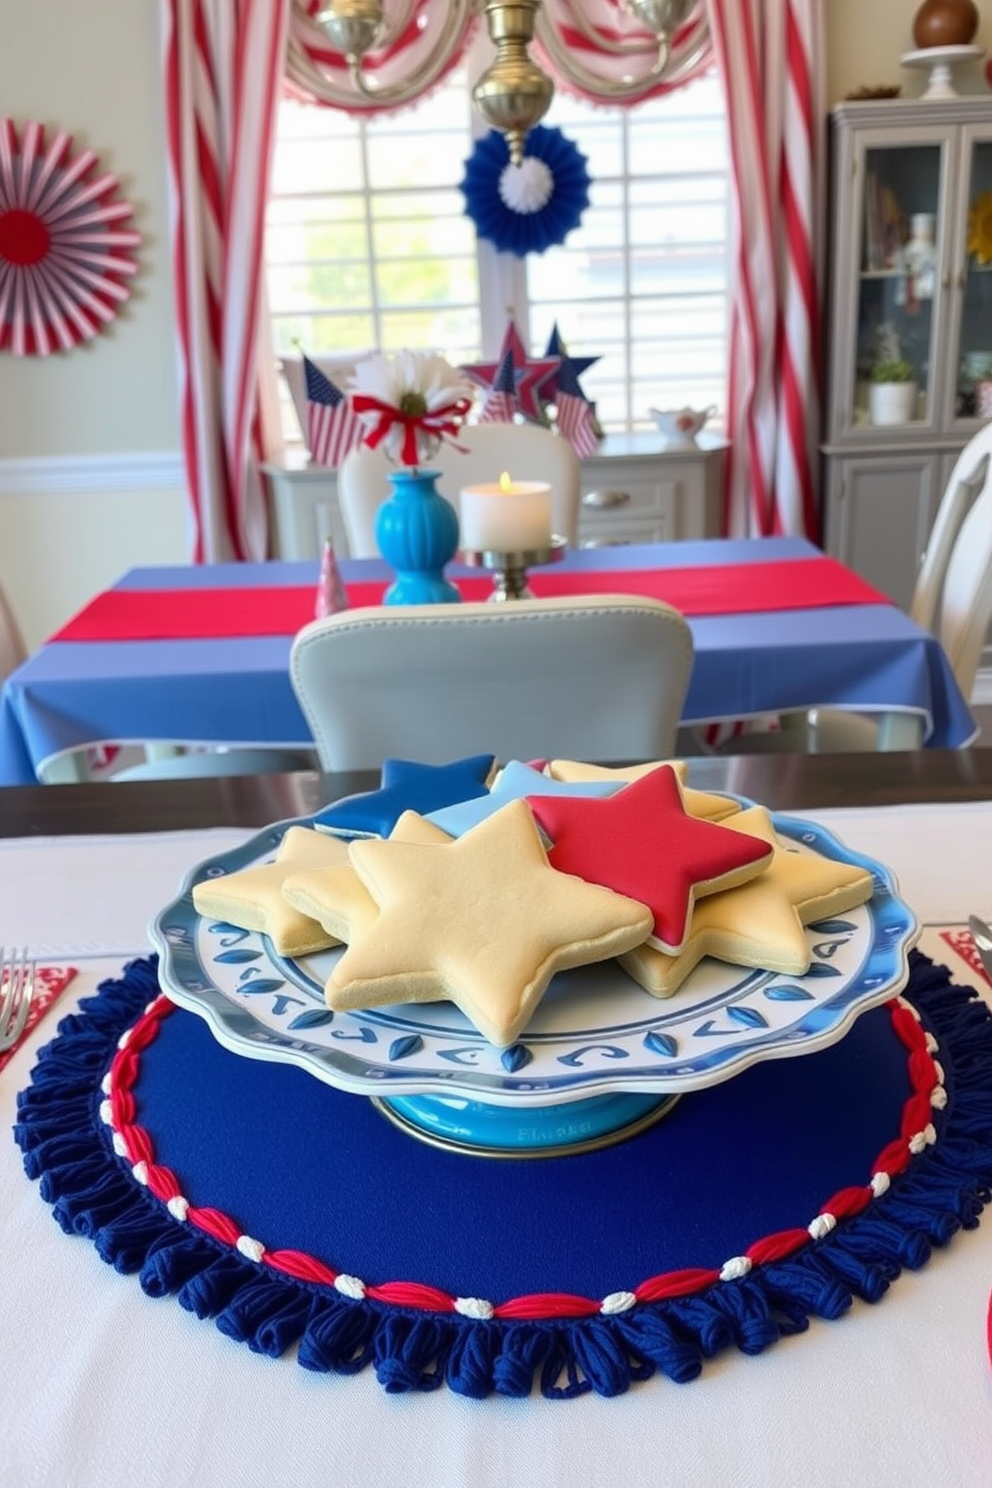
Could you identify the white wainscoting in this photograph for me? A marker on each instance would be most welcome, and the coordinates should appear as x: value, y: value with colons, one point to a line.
x: 78, y: 474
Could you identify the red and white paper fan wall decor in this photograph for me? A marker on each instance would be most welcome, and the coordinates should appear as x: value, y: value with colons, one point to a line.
x: 65, y: 243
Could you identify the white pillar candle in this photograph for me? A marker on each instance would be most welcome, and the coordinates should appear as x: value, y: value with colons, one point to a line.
x: 506, y: 516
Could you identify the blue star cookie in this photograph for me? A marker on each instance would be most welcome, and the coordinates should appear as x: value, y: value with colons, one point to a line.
x: 516, y: 780
x: 406, y: 786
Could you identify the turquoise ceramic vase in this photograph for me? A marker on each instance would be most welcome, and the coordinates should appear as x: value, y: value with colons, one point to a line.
x: 416, y: 531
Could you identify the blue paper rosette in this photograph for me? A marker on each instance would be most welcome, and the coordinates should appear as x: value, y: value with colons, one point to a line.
x: 531, y: 207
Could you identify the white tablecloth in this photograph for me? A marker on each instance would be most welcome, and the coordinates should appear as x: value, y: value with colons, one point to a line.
x: 101, y: 1387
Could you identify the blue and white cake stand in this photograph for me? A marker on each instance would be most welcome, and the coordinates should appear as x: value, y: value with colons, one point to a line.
x: 600, y: 1059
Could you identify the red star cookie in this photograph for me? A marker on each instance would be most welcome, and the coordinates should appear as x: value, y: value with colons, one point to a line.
x: 642, y: 843
x: 761, y: 923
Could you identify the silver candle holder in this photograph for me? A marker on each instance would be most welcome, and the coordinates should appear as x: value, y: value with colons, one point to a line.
x: 509, y: 570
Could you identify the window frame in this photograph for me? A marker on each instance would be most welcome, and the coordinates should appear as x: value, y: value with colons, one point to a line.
x: 503, y: 281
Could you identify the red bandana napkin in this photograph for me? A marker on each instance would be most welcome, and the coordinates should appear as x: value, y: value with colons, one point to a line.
x: 49, y: 983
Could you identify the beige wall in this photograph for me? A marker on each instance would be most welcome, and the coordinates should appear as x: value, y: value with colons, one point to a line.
x: 93, y: 67
x: 866, y: 38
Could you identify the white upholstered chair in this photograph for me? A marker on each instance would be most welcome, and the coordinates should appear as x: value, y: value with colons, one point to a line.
x: 598, y: 678
x: 524, y: 451
x: 952, y: 598
x: 202, y: 763
x: 970, y: 475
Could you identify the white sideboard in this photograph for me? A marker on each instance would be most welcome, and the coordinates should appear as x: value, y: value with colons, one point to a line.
x: 634, y: 490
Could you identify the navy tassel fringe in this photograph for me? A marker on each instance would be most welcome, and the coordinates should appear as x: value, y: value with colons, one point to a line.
x: 67, y: 1149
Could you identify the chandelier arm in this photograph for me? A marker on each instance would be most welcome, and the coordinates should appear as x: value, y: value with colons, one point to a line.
x: 646, y: 44
x: 566, y: 64
x: 632, y: 47
x: 395, y: 27
x: 304, y: 71
x: 670, y: 66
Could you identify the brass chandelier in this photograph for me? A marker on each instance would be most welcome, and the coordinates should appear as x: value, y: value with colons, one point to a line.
x: 514, y: 93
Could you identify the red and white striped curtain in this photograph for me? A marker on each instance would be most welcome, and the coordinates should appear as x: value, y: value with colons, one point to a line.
x: 225, y: 64
x: 770, y: 55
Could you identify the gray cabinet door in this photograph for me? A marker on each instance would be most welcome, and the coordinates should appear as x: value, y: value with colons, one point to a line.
x: 880, y: 509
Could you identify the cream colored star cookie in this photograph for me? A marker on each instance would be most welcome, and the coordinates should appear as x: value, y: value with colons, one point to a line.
x: 708, y: 805
x: 760, y: 923
x: 336, y: 896
x: 484, y: 921
x: 252, y: 898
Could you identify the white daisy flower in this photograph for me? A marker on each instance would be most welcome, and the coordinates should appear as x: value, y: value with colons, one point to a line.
x: 412, y: 401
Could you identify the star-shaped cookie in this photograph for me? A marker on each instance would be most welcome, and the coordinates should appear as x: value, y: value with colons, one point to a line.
x: 761, y: 923
x: 515, y: 782
x: 252, y: 897
x: 484, y: 921
x: 710, y: 805
x: 642, y: 842
x: 406, y: 786
x: 336, y: 896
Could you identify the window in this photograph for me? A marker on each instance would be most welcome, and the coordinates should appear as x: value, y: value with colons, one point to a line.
x: 368, y: 245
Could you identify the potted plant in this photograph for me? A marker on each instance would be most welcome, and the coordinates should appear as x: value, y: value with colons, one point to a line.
x: 892, y: 391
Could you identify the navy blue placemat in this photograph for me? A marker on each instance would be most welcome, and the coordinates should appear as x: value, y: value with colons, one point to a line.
x: 297, y: 1216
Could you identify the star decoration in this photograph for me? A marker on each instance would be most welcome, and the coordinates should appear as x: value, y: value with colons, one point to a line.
x: 406, y: 786
x: 761, y: 923
x: 573, y: 366
x: 642, y: 842
x: 708, y: 804
x: 532, y: 376
x: 252, y: 898
x: 484, y: 921
x: 532, y: 373
x: 516, y: 781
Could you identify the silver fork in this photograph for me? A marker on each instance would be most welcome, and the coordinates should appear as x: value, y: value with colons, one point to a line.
x: 16, y: 992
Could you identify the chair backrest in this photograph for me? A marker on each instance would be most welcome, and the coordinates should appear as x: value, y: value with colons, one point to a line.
x: 965, y: 482
x: 525, y: 451
x: 601, y: 678
x: 965, y: 609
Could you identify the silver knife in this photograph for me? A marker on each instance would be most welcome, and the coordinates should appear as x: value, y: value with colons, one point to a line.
x: 981, y: 934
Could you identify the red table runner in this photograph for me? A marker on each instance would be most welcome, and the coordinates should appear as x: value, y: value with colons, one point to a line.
x: 716, y: 589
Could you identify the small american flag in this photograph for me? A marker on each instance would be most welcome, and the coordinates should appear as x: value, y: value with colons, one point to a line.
x: 501, y: 400
x: 575, y: 415
x: 333, y: 427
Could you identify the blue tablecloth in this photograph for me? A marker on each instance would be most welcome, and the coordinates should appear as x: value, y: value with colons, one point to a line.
x: 237, y: 691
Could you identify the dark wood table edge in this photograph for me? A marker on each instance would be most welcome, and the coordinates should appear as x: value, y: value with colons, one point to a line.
x: 781, y: 782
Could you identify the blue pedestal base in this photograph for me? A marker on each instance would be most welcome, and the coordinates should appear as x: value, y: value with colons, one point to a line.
x: 486, y: 1130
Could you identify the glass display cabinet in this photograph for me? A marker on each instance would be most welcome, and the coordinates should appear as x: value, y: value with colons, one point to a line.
x: 909, y: 322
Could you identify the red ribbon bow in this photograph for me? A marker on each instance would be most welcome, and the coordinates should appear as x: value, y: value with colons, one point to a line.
x: 439, y: 422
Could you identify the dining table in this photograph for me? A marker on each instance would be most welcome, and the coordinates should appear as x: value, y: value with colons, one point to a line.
x: 181, y: 655
x: 105, y: 1381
